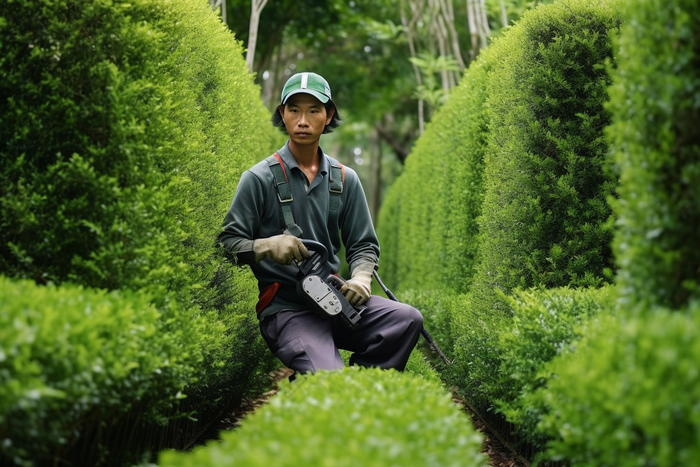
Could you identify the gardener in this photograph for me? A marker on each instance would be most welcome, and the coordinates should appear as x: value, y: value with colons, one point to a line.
x: 325, y: 200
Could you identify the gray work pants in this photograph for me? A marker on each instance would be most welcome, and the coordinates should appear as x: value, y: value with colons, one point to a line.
x: 306, y: 342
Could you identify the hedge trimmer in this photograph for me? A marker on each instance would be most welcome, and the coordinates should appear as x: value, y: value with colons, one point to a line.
x: 319, y: 288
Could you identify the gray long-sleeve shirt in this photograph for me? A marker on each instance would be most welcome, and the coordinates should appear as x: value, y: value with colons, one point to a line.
x: 256, y: 213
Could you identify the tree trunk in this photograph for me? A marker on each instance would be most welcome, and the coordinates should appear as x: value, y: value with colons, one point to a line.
x: 408, y: 26
x: 256, y: 8
x: 479, y: 30
x: 504, y: 14
x: 221, y: 5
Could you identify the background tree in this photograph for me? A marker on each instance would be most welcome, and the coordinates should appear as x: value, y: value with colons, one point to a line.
x: 390, y: 63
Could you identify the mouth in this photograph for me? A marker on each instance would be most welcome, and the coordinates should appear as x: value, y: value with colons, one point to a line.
x: 302, y: 133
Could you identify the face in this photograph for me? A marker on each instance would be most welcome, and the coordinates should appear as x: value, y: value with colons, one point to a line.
x: 305, y: 118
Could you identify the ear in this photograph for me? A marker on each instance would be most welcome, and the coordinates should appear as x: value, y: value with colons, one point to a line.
x: 331, y: 112
x: 281, y: 110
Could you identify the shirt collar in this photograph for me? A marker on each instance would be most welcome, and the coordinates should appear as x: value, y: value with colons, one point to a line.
x: 289, y: 160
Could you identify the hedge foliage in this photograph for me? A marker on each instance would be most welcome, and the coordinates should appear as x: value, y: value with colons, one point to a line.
x: 545, y: 220
x: 124, y: 128
x: 74, y: 361
x: 356, y: 416
x: 629, y: 395
x: 431, y: 208
x: 545, y: 325
x: 656, y: 149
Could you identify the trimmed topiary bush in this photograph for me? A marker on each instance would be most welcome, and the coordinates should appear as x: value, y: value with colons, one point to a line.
x: 545, y: 220
x: 629, y: 394
x: 124, y: 128
x: 656, y: 149
x: 356, y: 416
x: 545, y: 324
x: 76, y: 363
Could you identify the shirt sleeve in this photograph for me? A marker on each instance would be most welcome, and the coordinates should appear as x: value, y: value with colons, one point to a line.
x: 242, y: 221
x: 359, y: 237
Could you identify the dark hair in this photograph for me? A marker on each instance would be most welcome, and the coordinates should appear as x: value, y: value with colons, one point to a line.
x: 335, y: 121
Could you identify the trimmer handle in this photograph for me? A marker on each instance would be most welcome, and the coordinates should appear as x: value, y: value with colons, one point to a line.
x: 317, y: 262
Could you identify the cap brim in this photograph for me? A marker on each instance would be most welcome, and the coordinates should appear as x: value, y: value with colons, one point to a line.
x: 322, y: 97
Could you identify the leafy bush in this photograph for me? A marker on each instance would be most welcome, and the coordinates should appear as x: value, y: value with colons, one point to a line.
x: 356, y: 416
x: 432, y: 207
x: 545, y: 220
x: 74, y: 362
x: 629, y: 395
x: 656, y: 149
x: 545, y: 324
x: 476, y: 351
x: 125, y: 126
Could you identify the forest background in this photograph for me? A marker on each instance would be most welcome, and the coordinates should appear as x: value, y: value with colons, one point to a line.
x: 390, y: 64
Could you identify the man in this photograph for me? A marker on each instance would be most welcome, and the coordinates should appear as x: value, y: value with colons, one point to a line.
x: 327, y: 205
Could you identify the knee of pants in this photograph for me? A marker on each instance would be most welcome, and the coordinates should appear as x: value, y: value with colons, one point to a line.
x: 411, y: 315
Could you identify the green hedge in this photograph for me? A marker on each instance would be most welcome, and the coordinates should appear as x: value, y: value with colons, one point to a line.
x: 124, y: 128
x: 356, y: 416
x: 656, y: 149
x: 545, y: 219
x: 75, y: 362
x: 427, y: 224
x: 545, y: 324
x: 629, y: 395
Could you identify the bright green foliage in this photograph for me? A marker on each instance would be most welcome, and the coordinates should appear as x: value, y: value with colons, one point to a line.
x: 75, y: 361
x: 629, y: 395
x: 476, y: 351
x: 124, y: 128
x: 431, y: 209
x: 353, y: 417
x: 545, y: 220
x: 436, y: 308
x: 656, y: 148
x: 544, y: 325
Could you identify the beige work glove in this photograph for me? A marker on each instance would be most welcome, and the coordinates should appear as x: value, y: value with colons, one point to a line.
x: 281, y: 248
x: 358, y: 289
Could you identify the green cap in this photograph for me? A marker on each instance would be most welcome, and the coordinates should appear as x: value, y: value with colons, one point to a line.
x: 309, y: 83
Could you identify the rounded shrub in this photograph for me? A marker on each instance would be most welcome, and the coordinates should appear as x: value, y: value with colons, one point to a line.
x: 656, y: 150
x: 544, y: 221
x: 75, y: 363
x: 367, y: 417
x: 545, y: 218
x: 629, y: 394
x: 124, y: 128
x: 545, y: 324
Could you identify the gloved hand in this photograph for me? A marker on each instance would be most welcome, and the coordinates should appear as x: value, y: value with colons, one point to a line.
x: 281, y: 248
x: 358, y: 289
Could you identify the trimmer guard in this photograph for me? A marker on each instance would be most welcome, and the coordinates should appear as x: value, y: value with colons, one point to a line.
x: 321, y: 296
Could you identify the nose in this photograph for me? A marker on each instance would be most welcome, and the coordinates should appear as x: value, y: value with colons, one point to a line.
x: 303, y: 119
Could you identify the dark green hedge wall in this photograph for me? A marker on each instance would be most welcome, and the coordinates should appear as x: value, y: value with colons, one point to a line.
x: 124, y: 127
x: 545, y: 219
x: 656, y: 149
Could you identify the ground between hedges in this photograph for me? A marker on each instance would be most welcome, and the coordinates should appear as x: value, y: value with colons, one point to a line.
x: 499, y: 453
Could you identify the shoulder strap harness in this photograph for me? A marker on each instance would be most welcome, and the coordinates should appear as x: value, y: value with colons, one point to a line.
x: 284, y: 192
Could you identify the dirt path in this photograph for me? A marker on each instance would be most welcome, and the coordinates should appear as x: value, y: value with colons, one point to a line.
x: 498, y: 453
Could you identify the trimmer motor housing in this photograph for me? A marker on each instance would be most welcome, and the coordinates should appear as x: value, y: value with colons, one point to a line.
x: 314, y: 286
